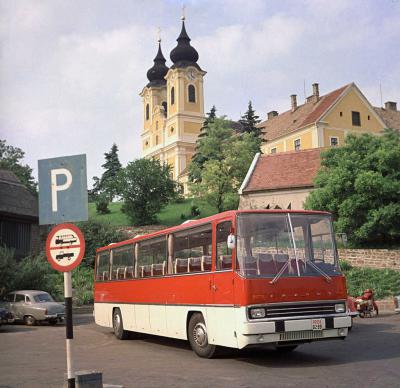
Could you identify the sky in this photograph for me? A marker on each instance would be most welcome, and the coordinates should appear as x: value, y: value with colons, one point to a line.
x: 71, y: 71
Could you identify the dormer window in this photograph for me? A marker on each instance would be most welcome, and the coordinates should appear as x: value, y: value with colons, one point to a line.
x: 192, y: 93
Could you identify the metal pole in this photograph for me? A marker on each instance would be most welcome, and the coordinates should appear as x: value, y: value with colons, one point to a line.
x: 69, y: 327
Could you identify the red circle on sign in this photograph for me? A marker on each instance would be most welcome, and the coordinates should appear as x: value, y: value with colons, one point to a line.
x: 81, y: 247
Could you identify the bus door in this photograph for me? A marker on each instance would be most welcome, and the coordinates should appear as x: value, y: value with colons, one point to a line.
x: 222, y: 286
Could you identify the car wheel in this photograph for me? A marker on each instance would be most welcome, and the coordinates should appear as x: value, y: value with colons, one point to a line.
x: 53, y: 322
x: 198, y: 337
x: 30, y: 321
x: 118, y: 325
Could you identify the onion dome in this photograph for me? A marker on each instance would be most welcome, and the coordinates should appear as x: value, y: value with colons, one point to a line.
x: 159, y: 70
x: 184, y: 54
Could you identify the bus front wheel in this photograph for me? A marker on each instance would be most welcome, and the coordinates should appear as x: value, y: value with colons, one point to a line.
x: 118, y: 325
x: 198, y: 338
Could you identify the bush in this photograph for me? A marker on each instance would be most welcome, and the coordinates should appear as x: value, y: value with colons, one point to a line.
x: 7, y: 270
x: 194, y: 211
x: 82, y: 283
x: 102, y: 204
x: 384, y: 282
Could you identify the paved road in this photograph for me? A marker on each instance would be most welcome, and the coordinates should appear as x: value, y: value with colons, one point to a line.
x: 35, y: 357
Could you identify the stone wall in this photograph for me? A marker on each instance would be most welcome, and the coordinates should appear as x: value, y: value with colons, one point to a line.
x: 372, y: 258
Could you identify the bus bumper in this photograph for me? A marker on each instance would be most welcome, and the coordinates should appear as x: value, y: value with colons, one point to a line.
x: 298, y: 330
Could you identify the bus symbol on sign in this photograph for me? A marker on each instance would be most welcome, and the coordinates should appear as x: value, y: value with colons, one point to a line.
x: 65, y: 247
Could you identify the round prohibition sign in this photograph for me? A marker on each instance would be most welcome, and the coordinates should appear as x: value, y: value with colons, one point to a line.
x: 65, y: 247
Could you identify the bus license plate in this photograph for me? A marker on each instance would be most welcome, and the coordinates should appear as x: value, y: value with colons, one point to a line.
x: 316, y: 324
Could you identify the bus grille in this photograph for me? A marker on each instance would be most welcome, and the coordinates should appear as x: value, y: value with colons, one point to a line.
x: 288, y: 310
x: 300, y: 335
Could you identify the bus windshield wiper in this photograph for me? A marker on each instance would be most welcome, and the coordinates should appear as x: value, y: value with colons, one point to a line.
x: 315, y: 266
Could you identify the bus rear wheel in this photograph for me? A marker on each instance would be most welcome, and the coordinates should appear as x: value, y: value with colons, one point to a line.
x: 118, y: 325
x: 198, y: 337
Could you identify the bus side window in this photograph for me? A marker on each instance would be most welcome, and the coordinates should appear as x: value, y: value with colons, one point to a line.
x: 223, y: 254
x: 103, y: 266
x: 123, y: 261
x: 152, y: 257
x: 192, y: 250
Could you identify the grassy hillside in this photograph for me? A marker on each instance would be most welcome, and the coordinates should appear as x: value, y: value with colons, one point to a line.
x: 169, y: 216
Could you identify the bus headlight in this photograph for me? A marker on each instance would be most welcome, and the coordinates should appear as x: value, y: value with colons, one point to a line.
x: 257, y: 313
x: 340, y: 308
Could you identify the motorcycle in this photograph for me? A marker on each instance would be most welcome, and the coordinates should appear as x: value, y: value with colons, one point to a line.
x: 366, y: 305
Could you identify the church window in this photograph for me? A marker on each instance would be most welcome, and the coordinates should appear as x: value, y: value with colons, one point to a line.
x: 172, y: 96
x: 192, y: 93
x: 164, y: 104
x: 334, y: 141
x: 369, y: 117
x: 156, y: 125
x: 273, y: 150
x: 341, y: 114
x: 297, y: 144
x: 147, y: 111
x: 172, y: 129
x: 156, y: 139
x: 355, y: 119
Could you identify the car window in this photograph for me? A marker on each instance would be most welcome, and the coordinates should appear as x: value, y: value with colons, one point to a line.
x: 27, y: 299
x: 19, y: 298
x: 43, y: 298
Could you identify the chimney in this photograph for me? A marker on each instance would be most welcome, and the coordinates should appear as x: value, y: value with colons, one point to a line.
x: 293, y: 99
x: 391, y: 105
x: 315, y: 88
x: 272, y: 114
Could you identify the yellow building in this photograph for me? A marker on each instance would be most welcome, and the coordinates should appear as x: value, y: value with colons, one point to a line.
x: 173, y: 108
x: 322, y: 121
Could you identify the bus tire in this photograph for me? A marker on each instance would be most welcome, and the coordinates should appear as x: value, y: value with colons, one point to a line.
x: 285, y: 348
x: 198, y: 337
x: 118, y: 325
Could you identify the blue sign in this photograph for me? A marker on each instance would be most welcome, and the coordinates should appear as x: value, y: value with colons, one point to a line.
x: 63, y: 190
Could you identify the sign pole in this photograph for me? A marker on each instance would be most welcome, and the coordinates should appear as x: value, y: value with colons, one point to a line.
x: 69, y: 329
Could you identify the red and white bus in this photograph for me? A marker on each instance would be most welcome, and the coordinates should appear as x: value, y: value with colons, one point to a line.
x: 234, y: 279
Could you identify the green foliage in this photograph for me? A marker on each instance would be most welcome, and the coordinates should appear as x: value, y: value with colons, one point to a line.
x: 147, y: 188
x: 98, y: 234
x: 360, y: 184
x: 82, y: 283
x: 10, y: 159
x: 384, y: 282
x: 7, y: 269
x: 249, y: 123
x: 198, y: 159
x: 102, y: 204
x: 228, y: 159
x: 108, y: 185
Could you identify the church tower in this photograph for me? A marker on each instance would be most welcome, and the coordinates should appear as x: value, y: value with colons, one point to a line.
x: 174, y: 108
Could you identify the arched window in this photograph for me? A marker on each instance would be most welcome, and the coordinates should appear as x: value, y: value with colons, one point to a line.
x: 192, y: 93
x: 164, y: 104
x: 147, y: 111
x: 172, y: 96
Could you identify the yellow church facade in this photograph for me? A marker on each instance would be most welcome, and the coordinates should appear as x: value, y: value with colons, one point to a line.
x: 173, y: 108
x: 322, y: 121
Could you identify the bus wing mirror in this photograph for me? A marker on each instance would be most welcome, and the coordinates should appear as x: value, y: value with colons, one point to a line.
x: 231, y: 241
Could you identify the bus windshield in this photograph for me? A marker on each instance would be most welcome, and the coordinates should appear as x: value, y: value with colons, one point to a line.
x: 286, y: 245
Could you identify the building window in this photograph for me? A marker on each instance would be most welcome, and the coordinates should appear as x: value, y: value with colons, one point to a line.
x: 172, y: 96
x: 355, y: 119
x: 156, y: 125
x: 172, y: 129
x: 147, y: 111
x: 334, y: 141
x: 156, y: 139
x: 341, y: 114
x: 273, y: 150
x: 164, y: 104
x: 192, y: 93
x: 297, y: 144
x: 369, y: 117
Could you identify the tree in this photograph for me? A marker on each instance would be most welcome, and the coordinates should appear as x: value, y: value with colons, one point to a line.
x: 147, y: 187
x: 10, y: 159
x: 249, y: 121
x: 360, y: 184
x: 112, y: 166
x: 228, y: 159
x: 198, y: 159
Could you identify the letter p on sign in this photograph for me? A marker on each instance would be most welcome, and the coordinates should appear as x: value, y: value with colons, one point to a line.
x: 62, y: 190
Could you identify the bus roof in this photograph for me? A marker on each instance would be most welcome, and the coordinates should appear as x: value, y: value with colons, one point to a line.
x: 201, y: 221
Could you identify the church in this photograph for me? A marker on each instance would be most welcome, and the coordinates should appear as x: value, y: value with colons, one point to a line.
x: 173, y: 107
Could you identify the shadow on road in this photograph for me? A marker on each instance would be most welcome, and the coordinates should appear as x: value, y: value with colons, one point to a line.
x: 15, y: 328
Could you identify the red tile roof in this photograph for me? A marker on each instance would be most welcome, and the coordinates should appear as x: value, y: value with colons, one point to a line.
x: 306, y: 114
x: 285, y: 170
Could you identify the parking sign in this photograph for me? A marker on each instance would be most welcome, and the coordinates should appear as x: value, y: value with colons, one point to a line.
x: 63, y: 190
